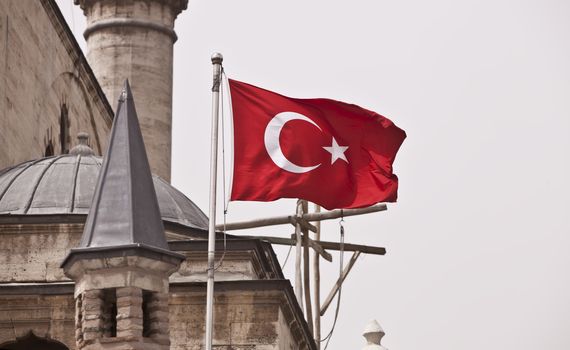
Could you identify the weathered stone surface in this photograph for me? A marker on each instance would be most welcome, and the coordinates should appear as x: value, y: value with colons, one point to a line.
x: 127, y: 304
x: 130, y: 311
x: 37, y: 89
x: 143, y: 54
x: 129, y: 324
x: 128, y: 292
x: 236, y: 266
x: 46, y: 316
x: 243, y: 320
x: 33, y: 252
x: 92, y: 296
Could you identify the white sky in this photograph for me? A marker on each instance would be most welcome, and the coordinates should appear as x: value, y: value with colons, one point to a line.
x: 478, y: 244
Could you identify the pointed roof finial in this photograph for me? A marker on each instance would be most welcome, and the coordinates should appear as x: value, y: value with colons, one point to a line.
x: 82, y: 148
x: 125, y: 92
x: 124, y: 213
x: 373, y: 334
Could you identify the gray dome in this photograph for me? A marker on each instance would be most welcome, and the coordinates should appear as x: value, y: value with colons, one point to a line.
x: 65, y: 184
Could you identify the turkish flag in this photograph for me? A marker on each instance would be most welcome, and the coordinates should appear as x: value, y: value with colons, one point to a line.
x: 331, y: 153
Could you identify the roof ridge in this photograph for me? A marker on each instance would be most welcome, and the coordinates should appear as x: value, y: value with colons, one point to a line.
x: 37, y: 184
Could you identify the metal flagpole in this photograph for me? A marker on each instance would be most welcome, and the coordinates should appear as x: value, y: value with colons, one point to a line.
x: 217, y: 65
x: 317, y: 284
x: 307, y: 273
x: 298, y: 256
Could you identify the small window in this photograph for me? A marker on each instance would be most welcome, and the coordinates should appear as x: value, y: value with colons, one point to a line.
x: 64, y: 138
x: 109, y: 313
x: 79, y: 315
x: 147, y: 297
x: 49, y: 150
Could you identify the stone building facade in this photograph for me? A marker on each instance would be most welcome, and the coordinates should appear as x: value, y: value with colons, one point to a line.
x: 48, y: 179
x: 48, y: 91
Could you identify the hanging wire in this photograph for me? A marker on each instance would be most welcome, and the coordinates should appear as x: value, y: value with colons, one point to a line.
x: 226, y: 201
x: 227, y: 84
x: 287, y: 257
x: 341, y: 260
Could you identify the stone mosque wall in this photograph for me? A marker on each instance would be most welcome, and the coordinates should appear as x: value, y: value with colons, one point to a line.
x: 48, y: 92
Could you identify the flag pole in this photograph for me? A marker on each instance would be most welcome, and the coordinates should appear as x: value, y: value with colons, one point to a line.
x: 317, y: 283
x: 299, y: 256
x: 217, y: 59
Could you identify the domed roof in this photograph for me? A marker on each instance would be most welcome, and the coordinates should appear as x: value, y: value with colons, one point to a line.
x: 65, y: 184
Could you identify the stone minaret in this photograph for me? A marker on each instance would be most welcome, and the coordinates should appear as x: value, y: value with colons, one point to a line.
x: 133, y: 39
x: 123, y: 262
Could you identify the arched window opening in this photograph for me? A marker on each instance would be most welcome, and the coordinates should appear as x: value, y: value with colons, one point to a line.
x: 49, y: 150
x: 64, y: 138
x: 31, y: 342
x: 109, y: 313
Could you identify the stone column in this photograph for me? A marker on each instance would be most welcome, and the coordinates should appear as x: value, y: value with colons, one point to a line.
x: 90, y: 320
x: 133, y: 39
x: 158, y: 315
x: 129, y: 312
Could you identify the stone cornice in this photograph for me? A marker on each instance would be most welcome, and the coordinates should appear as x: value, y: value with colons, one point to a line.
x: 129, y: 22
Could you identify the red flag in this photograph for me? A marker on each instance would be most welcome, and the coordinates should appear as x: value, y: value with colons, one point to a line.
x: 331, y: 153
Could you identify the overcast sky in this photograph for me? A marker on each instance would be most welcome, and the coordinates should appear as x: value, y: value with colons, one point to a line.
x: 478, y: 246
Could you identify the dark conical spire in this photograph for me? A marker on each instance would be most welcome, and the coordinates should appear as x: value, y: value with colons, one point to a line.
x: 125, y: 209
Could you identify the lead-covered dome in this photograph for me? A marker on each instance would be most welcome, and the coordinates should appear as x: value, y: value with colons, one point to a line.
x: 65, y: 184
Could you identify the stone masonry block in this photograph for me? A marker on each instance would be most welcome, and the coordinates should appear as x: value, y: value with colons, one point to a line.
x: 128, y: 292
x: 129, y: 333
x: 92, y: 316
x: 130, y: 323
x: 129, y: 311
x: 93, y: 294
x: 89, y: 334
x: 92, y: 324
x: 129, y: 301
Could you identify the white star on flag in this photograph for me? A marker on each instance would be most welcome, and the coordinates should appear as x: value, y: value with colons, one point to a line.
x: 336, y: 151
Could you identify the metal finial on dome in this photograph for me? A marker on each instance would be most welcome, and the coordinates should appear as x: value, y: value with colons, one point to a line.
x: 373, y: 333
x: 82, y: 148
x: 124, y: 93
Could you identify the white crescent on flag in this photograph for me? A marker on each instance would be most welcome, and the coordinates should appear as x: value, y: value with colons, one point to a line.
x: 271, y: 138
